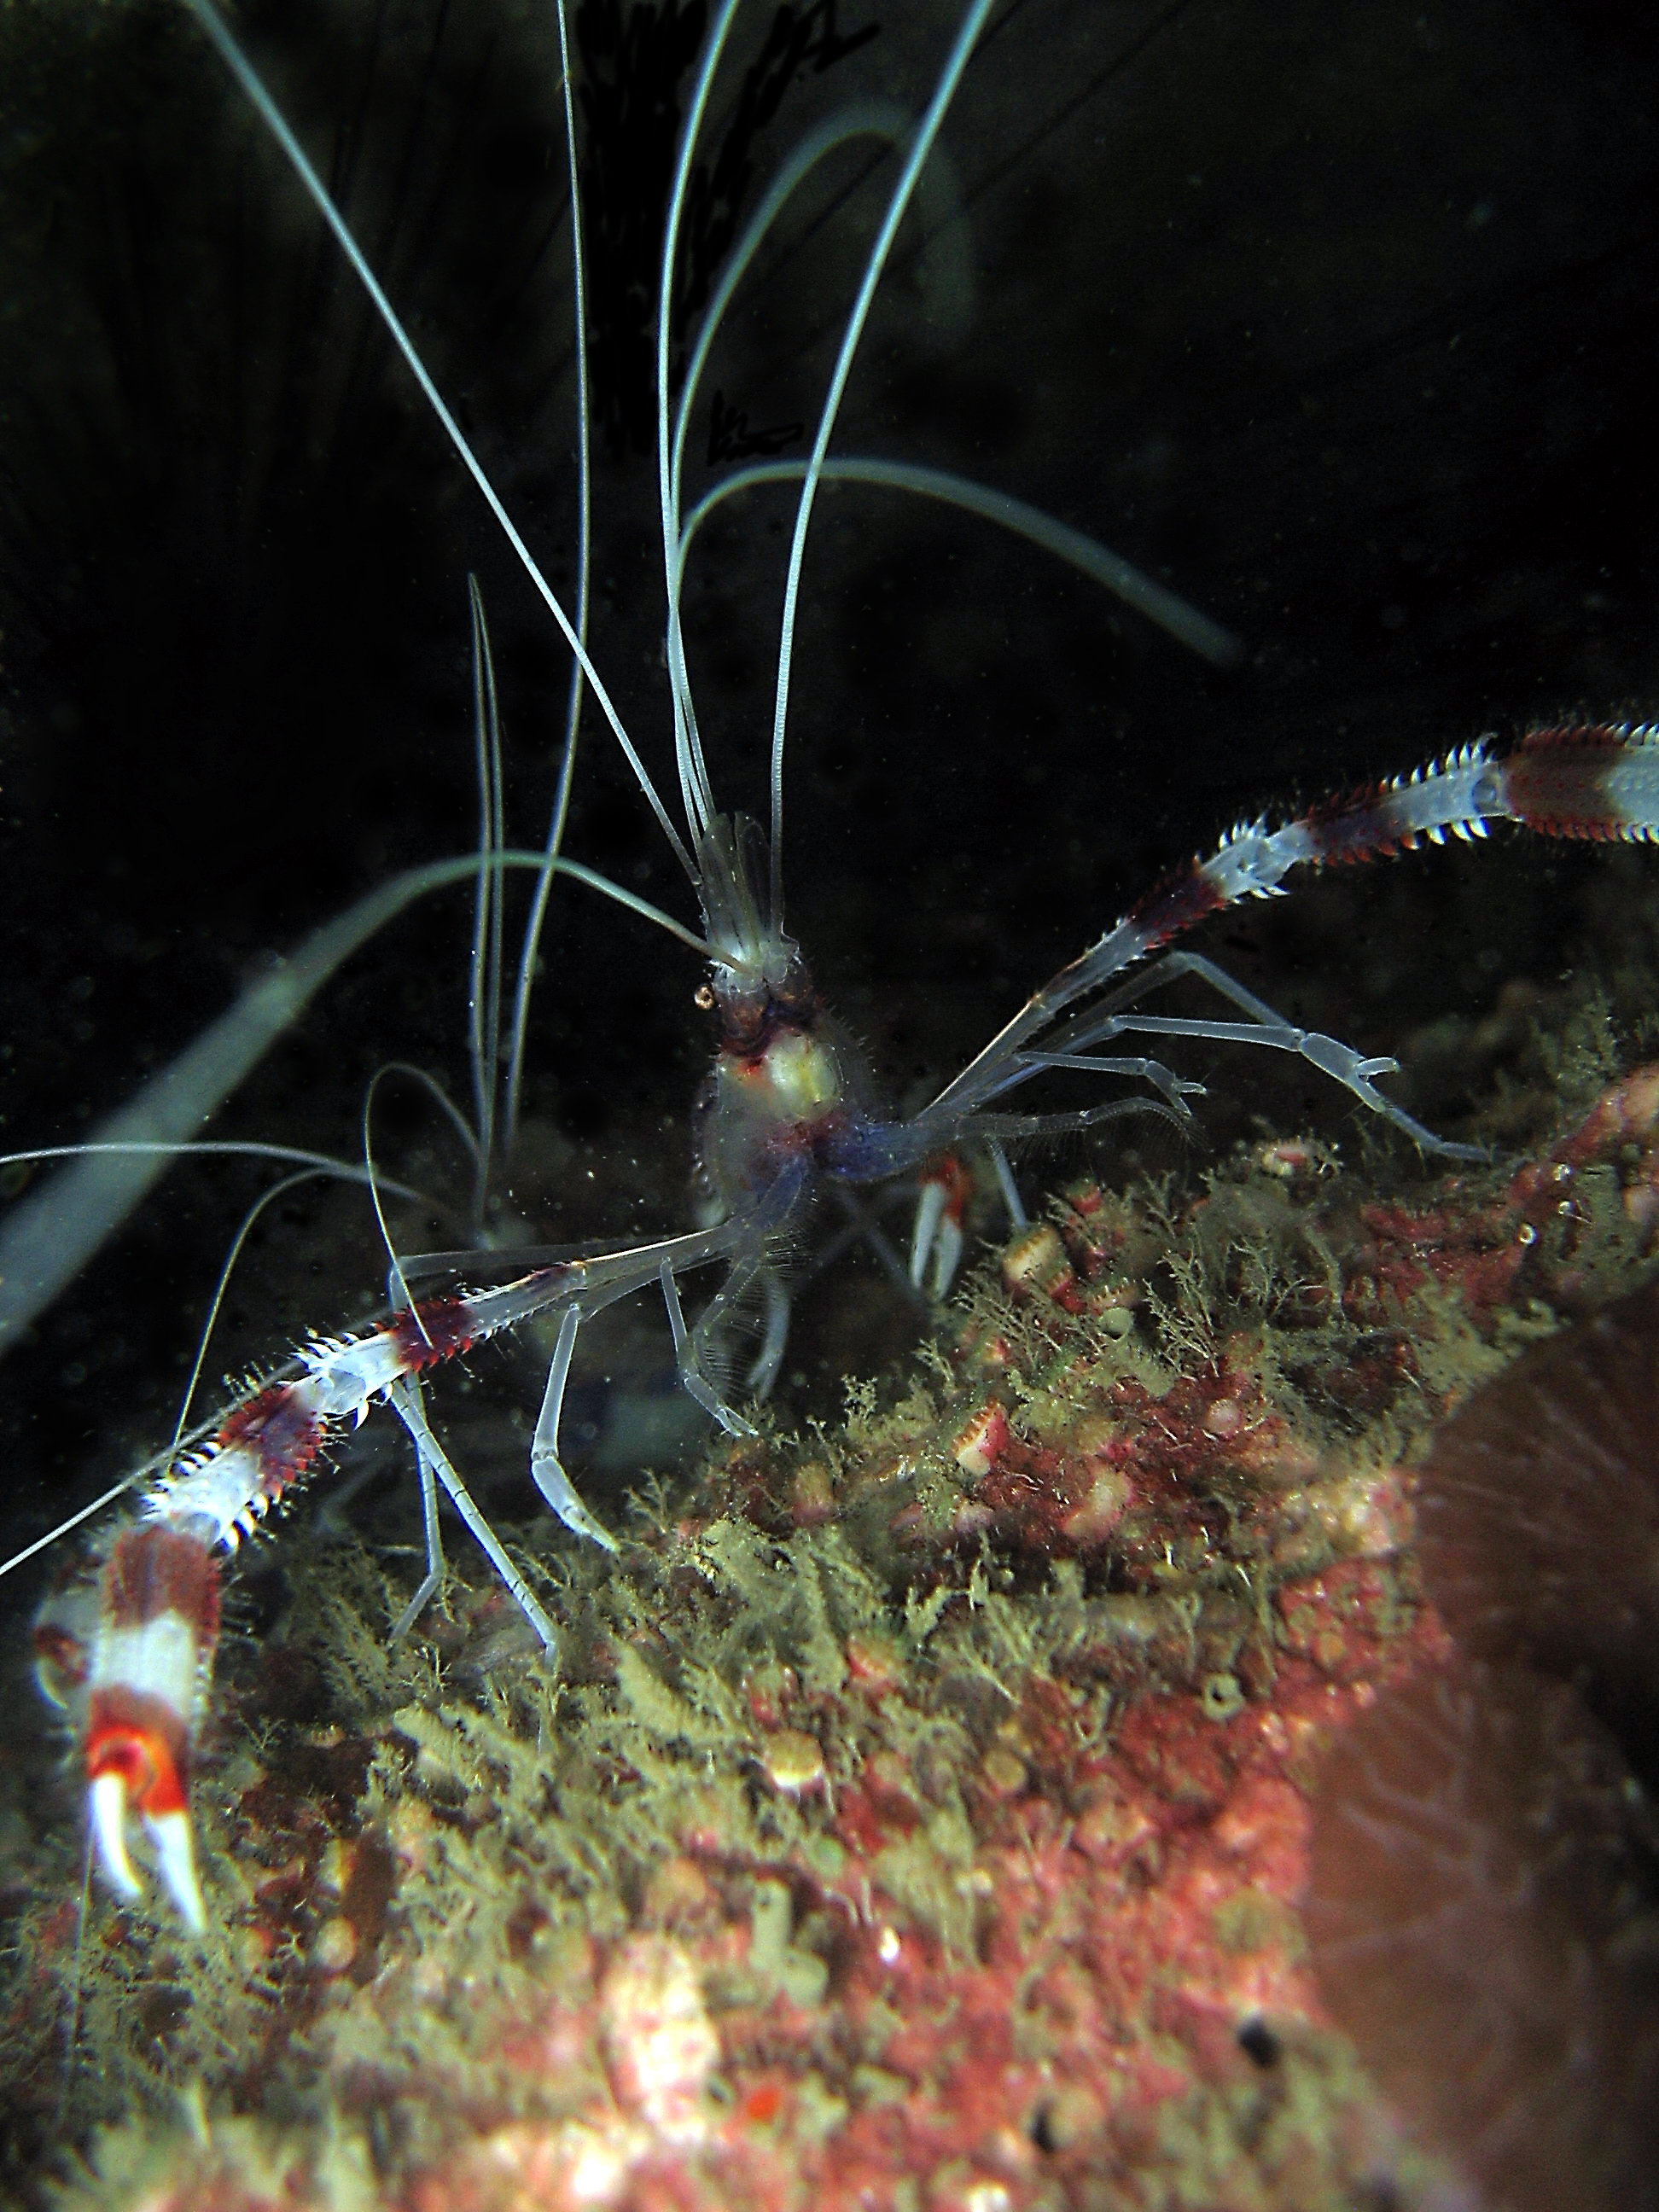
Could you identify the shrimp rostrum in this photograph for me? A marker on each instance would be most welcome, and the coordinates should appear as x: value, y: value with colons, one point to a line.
x: 787, y: 1108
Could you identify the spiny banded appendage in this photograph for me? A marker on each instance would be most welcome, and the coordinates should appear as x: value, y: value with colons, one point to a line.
x: 272, y: 1438
x: 142, y: 1681
x: 1588, y: 779
x: 146, y: 1682
x: 1582, y: 780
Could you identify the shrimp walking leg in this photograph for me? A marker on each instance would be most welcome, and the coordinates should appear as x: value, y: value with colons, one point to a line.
x: 691, y: 1345
x: 1354, y: 1070
x: 437, y: 1566
x: 435, y: 1464
x: 546, y: 1468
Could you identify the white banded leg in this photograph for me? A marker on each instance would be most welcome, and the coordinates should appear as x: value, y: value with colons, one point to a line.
x: 404, y: 1396
x: 1327, y: 1054
x: 1341, y: 1063
x: 436, y: 1570
x: 763, y: 1368
x: 690, y: 1345
x: 1067, y: 1052
x: 995, y: 1131
x: 932, y: 1236
x: 1018, y: 1217
x: 546, y: 1468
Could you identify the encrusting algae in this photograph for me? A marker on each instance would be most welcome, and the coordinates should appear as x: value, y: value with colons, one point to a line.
x: 920, y: 1815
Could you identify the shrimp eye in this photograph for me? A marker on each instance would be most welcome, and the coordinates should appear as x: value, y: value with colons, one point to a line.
x: 745, y: 1015
x: 703, y: 998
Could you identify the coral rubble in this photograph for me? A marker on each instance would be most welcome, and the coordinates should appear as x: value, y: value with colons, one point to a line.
x: 920, y: 1816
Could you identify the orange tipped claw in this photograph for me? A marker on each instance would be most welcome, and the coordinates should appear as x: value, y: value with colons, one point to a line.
x: 133, y: 1772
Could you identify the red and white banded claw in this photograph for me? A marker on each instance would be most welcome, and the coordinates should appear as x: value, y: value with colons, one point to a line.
x: 941, y: 1201
x: 158, y: 1625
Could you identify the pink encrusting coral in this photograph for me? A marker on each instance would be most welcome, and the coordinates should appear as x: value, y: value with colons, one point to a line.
x: 924, y: 1814
x: 1002, y: 1975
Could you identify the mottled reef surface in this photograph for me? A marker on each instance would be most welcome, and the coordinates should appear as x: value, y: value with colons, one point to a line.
x: 931, y: 1809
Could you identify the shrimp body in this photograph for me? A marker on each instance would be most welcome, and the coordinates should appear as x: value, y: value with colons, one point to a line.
x: 788, y: 1092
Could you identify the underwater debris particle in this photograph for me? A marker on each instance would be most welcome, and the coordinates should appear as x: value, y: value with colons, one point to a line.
x: 981, y: 1440
x: 794, y: 1761
x: 659, y: 2041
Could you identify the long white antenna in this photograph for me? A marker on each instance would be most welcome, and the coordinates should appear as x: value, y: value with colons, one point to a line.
x: 867, y: 118
x: 696, y: 793
x: 271, y: 116
x: 532, y: 928
x: 972, y: 24
x: 1182, y: 620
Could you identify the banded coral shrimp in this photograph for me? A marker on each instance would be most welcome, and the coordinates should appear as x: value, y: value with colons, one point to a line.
x: 1081, y: 803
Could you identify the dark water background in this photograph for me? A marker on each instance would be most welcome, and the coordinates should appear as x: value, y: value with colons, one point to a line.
x: 1342, y: 322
